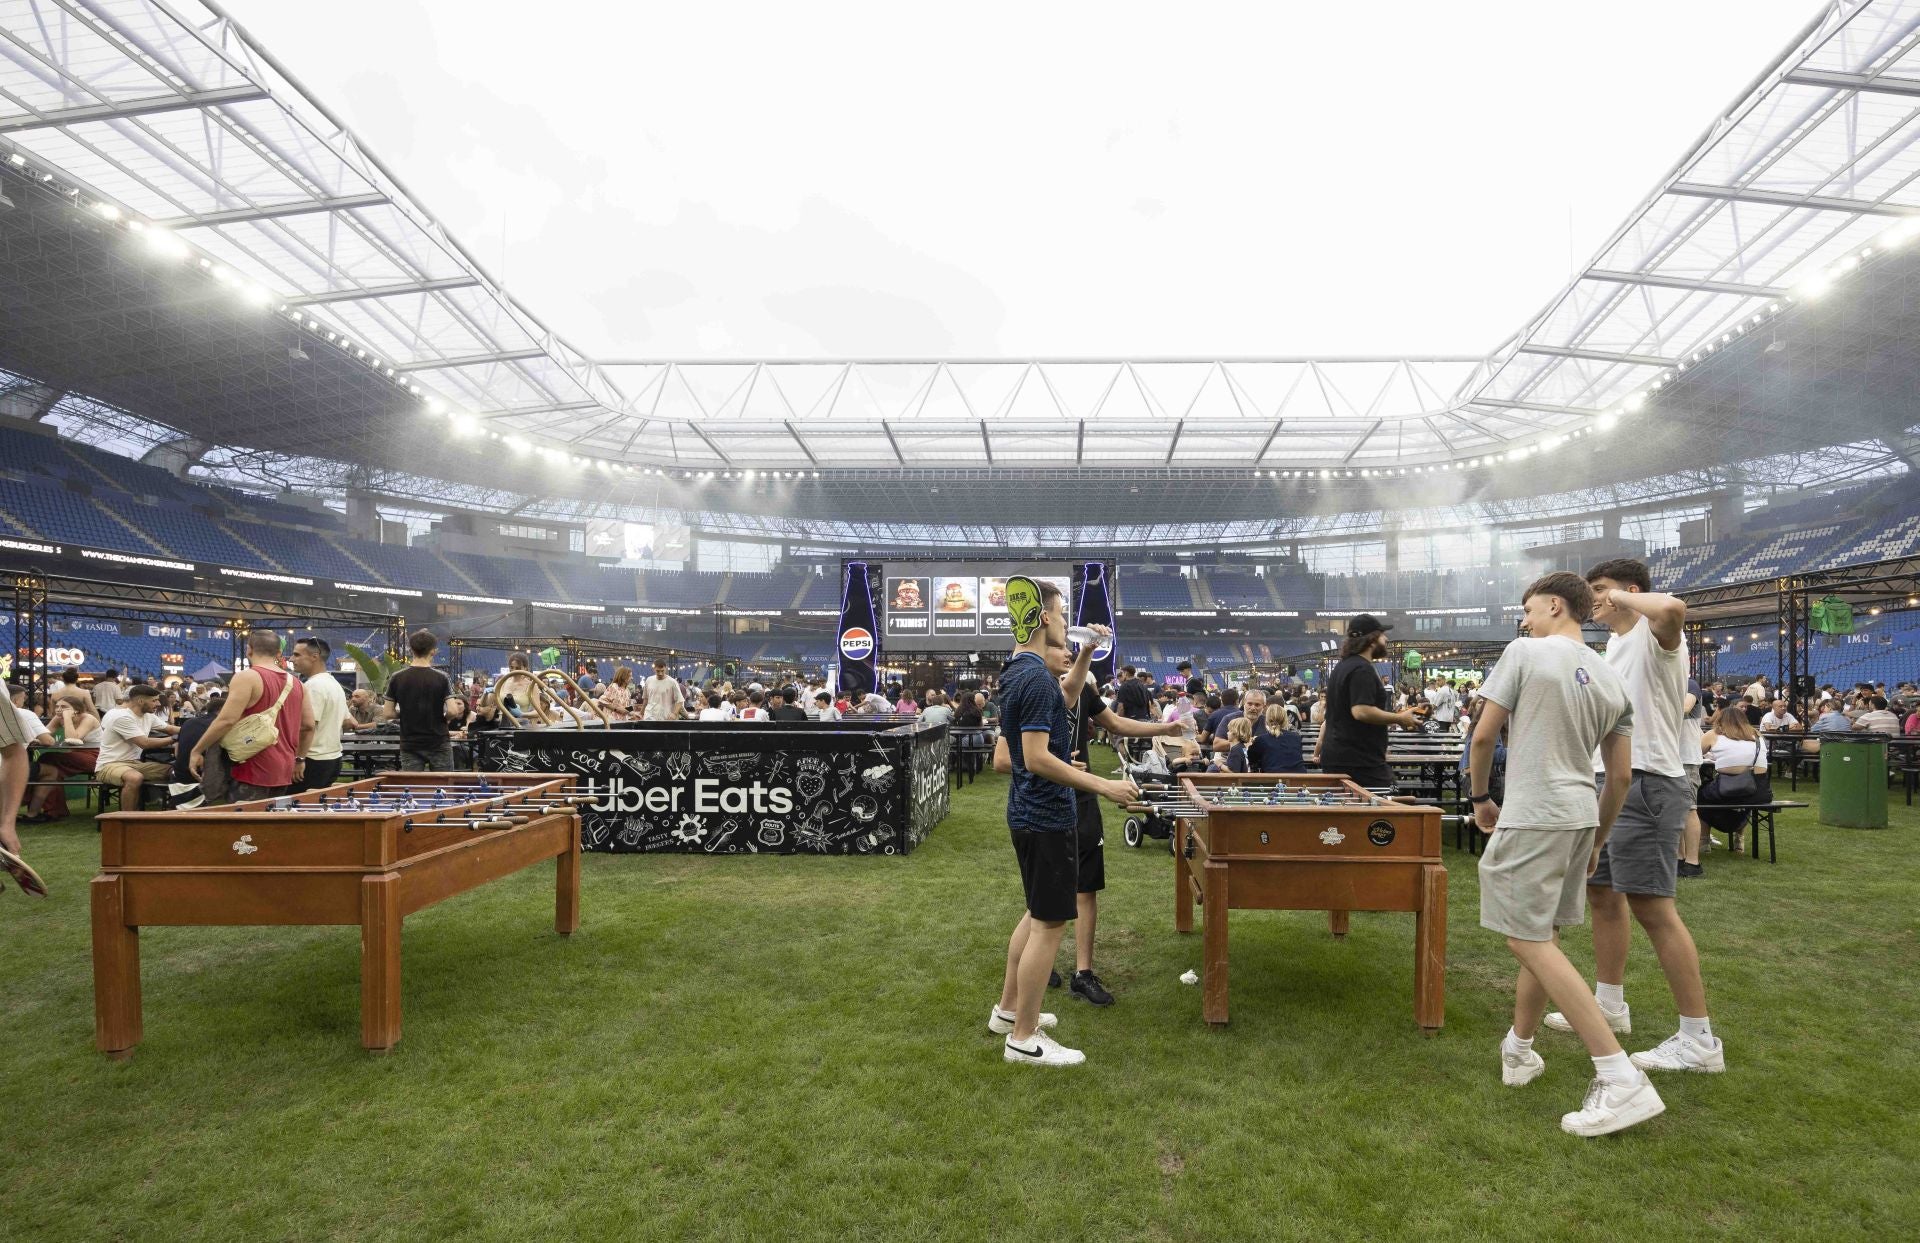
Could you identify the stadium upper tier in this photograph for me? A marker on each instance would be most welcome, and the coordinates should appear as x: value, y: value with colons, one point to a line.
x: 71, y: 494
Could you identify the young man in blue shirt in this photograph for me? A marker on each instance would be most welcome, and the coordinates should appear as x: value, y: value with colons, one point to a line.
x: 1041, y: 817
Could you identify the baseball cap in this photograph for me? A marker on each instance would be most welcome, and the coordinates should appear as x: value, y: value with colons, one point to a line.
x: 1366, y: 623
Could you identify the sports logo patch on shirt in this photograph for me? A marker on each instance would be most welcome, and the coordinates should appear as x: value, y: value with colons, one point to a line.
x: 1581, y: 676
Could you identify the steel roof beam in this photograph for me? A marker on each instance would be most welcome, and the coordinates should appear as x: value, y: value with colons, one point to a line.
x: 1175, y: 442
x: 305, y: 207
x: 470, y: 360
x: 1786, y: 198
x: 564, y: 408
x: 711, y: 444
x: 384, y: 291
x: 1539, y: 407
x: 888, y: 429
x: 1685, y: 282
x: 86, y: 113
x: 1853, y: 82
x: 1600, y: 356
x: 986, y: 441
x: 795, y: 433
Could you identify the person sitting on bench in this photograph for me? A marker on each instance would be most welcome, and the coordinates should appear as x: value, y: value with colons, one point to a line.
x: 125, y: 733
x: 1739, y: 757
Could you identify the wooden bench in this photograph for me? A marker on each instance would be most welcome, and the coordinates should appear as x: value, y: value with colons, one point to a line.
x: 1759, y: 816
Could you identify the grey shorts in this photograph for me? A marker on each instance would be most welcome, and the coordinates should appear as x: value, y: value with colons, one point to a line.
x: 1534, y: 880
x: 1642, y: 854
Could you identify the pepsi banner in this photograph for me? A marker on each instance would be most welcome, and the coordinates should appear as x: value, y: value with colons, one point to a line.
x: 859, y: 641
x: 1093, y: 606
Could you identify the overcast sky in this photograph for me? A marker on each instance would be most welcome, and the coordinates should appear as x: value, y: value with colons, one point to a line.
x: 696, y: 180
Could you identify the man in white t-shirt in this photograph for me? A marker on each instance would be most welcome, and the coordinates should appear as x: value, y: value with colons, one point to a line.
x: 661, y: 695
x: 714, y: 711
x: 1637, y: 875
x: 1778, y: 718
x: 1562, y: 703
x: 1445, y: 701
x: 320, y: 766
x: 124, y: 734
x: 825, y: 711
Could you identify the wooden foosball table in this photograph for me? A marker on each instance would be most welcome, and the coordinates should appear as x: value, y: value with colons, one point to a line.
x: 1305, y: 842
x: 370, y: 853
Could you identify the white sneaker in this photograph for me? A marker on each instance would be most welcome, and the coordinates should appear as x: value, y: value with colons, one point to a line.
x: 1621, y: 1020
x: 1000, y: 1022
x: 1682, y: 1052
x: 1613, y: 1107
x: 1518, y: 1067
x: 1042, y: 1050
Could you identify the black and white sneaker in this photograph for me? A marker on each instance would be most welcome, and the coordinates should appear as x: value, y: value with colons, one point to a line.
x: 1087, y: 987
x: 1053, y: 979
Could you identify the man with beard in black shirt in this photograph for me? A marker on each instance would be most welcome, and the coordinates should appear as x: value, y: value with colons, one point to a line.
x: 1353, y: 738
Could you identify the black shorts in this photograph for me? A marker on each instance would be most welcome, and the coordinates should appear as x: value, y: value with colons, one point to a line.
x: 1047, y: 872
x: 1087, y: 831
x: 319, y: 775
x: 1368, y: 775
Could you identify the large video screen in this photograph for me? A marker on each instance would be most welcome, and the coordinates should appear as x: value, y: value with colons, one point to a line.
x: 961, y: 606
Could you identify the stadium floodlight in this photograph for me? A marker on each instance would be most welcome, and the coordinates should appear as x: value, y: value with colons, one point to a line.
x: 107, y: 211
x: 518, y: 444
x: 165, y: 244
x: 1633, y: 403
x: 1814, y: 286
x: 256, y: 295
x: 1607, y: 421
x: 17, y: 160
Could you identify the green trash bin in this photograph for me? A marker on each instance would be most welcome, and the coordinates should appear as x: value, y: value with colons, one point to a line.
x: 1853, y: 784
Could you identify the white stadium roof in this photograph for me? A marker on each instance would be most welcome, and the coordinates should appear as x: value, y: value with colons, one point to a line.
x: 173, y: 116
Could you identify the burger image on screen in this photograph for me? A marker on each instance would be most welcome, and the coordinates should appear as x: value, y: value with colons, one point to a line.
x: 996, y: 593
x: 954, y: 598
x: 907, y: 595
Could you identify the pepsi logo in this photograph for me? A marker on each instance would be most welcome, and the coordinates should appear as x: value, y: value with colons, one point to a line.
x: 1105, y: 649
x: 856, y: 643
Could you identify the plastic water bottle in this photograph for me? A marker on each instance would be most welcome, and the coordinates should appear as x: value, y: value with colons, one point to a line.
x: 1079, y: 635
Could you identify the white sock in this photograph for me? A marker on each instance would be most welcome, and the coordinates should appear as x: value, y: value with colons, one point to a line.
x: 1612, y: 996
x: 1514, y: 1044
x: 1697, y: 1029
x: 1616, y: 1068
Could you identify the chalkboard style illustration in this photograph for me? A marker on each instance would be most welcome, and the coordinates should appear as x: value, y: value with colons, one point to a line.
x: 810, y: 776
x: 709, y: 791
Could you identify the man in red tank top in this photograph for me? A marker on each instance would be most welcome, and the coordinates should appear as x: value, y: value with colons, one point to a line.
x: 254, y: 689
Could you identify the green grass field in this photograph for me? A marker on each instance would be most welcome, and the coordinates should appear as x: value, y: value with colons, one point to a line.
x: 767, y: 1047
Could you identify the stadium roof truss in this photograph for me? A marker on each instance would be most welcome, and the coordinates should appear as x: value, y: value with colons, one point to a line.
x: 170, y: 117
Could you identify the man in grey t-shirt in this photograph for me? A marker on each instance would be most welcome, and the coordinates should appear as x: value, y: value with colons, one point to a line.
x: 1561, y: 701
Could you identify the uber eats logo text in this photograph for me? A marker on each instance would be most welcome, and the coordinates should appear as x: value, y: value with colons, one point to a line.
x: 706, y: 796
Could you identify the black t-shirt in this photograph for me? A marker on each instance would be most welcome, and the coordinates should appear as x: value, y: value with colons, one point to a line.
x: 1345, y: 742
x: 1133, y: 701
x: 1091, y: 705
x: 787, y: 712
x: 421, y: 695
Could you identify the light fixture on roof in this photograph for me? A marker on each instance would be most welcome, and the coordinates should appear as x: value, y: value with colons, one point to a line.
x: 17, y: 160
x: 166, y: 244
x: 1633, y: 403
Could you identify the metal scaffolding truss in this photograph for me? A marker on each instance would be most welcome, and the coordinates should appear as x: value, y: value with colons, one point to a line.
x: 170, y: 116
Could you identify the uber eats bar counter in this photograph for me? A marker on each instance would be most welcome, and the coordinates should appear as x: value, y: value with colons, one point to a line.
x: 733, y: 787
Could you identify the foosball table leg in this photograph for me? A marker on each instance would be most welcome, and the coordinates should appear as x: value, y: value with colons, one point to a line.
x: 1337, y: 923
x: 566, y: 898
x: 1213, y: 944
x: 116, y: 970
x: 1182, y: 882
x: 1430, y: 949
x: 380, y: 962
